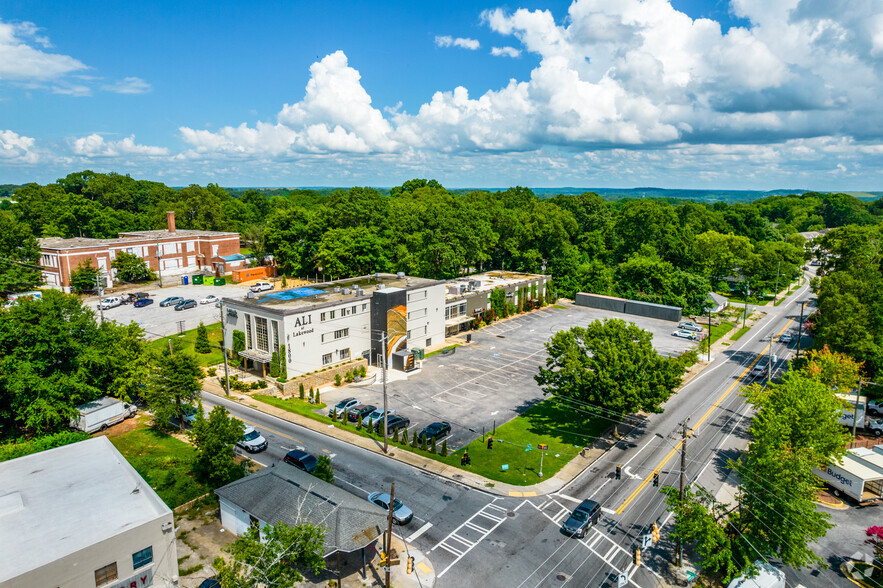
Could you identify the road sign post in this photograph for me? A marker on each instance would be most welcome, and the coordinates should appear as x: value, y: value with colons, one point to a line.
x: 622, y: 580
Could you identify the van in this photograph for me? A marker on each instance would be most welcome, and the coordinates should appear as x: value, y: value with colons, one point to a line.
x: 110, y: 302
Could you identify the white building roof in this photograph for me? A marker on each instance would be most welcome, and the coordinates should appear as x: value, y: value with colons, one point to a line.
x: 59, y: 501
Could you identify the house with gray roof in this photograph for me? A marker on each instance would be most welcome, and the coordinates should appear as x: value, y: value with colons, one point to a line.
x: 288, y: 495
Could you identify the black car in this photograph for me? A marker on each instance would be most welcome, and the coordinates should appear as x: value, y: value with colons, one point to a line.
x: 301, y: 460
x: 142, y: 302
x: 393, y: 423
x: 584, y: 516
x: 360, y: 411
x: 435, y: 430
x: 210, y: 583
x: 134, y: 297
x: 171, y: 301
x: 185, y: 304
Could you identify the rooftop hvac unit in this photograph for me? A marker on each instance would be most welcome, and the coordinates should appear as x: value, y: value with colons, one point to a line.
x: 337, y: 288
x: 453, y: 289
x: 381, y: 286
x: 400, y: 275
x: 476, y: 284
x: 376, y: 274
x: 249, y: 294
x: 359, y: 291
x: 346, y: 291
x: 462, y: 288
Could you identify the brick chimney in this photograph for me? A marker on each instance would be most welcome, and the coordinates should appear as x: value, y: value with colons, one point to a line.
x: 170, y: 218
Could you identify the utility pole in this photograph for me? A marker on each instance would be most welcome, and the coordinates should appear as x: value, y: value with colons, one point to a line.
x: 711, y: 301
x: 684, y: 435
x: 100, y: 295
x: 769, y: 373
x: 800, y: 329
x: 392, y: 501
x: 224, y: 351
x: 745, y: 314
x: 858, y: 394
x: 385, y: 416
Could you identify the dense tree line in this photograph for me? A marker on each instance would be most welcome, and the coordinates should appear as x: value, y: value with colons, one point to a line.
x: 666, y: 251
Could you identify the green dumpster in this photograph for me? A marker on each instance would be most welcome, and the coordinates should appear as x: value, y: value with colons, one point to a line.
x: 197, y: 280
x: 220, y: 281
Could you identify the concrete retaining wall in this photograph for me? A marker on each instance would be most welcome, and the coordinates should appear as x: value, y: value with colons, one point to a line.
x: 621, y: 305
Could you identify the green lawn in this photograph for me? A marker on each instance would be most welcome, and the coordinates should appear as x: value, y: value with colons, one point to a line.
x: 720, y: 330
x: 454, y: 346
x: 189, y: 338
x: 163, y: 461
x: 738, y: 334
x: 564, y: 430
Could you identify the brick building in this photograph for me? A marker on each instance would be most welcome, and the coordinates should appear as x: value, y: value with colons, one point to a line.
x: 168, y: 252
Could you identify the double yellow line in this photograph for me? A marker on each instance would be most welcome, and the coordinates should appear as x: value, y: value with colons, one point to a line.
x: 711, y: 409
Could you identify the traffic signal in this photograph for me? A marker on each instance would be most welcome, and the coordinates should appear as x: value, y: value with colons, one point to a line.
x: 655, y: 532
x: 410, y: 568
x: 637, y: 558
x: 618, y: 472
x: 656, y: 479
x: 490, y: 442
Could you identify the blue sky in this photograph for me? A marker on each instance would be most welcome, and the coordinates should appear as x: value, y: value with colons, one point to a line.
x: 754, y: 94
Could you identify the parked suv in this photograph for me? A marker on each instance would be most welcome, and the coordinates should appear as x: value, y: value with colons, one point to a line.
x: 261, y: 287
x: 301, y: 460
x: 393, y: 424
x: 584, y: 516
x: 252, y: 441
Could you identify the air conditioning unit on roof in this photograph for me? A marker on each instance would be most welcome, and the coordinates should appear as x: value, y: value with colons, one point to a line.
x: 400, y: 275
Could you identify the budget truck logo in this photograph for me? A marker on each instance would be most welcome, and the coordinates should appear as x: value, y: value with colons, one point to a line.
x: 839, y: 477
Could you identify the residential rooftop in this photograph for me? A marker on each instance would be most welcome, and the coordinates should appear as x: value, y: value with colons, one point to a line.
x: 329, y: 293
x: 59, y: 501
x: 485, y: 282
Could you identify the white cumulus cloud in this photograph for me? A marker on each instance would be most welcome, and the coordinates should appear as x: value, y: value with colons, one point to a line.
x: 94, y: 145
x: 21, y: 60
x: 463, y: 43
x: 505, y: 52
x: 129, y: 85
x: 15, y: 148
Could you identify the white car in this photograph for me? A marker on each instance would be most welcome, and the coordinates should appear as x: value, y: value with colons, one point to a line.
x: 252, y: 441
x: 684, y: 334
x: 875, y: 407
x: 111, y: 302
x: 261, y: 287
x: 210, y: 299
x: 786, y: 338
x: 690, y: 326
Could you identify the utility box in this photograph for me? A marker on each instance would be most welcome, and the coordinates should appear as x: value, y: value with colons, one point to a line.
x: 418, y: 353
x: 403, y: 361
x: 197, y: 280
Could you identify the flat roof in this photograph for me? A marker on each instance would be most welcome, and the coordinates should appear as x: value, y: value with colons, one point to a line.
x: 125, y: 238
x: 490, y: 281
x: 329, y: 293
x: 62, y: 500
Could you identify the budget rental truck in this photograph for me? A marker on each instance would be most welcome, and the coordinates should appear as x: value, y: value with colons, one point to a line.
x: 101, y: 414
x: 859, y: 475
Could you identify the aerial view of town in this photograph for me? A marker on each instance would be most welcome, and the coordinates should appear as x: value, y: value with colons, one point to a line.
x: 562, y: 293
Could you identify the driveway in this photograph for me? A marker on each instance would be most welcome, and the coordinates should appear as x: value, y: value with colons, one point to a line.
x: 491, y: 381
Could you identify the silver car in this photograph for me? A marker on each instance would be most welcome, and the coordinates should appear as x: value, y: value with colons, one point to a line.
x: 401, y: 514
x: 376, y: 416
x: 690, y: 326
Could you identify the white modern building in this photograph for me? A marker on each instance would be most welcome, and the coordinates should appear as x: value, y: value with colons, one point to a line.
x: 80, y: 516
x: 324, y: 324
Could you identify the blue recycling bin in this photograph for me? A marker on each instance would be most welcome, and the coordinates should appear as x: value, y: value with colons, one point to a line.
x: 184, y: 280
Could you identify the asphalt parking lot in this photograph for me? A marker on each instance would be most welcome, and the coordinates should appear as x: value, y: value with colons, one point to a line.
x: 163, y: 321
x: 491, y: 379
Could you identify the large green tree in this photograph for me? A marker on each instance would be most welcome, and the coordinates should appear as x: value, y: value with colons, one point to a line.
x: 173, y: 384
x: 84, y: 278
x: 272, y: 556
x: 19, y: 256
x: 131, y: 268
x: 215, y: 438
x: 610, y: 364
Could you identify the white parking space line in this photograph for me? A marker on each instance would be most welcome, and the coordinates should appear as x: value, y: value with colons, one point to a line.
x: 418, y: 532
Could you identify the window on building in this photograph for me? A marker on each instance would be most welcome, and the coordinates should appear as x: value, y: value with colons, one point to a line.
x: 344, y: 354
x: 142, y: 558
x: 249, y: 344
x: 419, y: 313
x: 322, y: 317
x: 106, y: 574
x: 364, y: 307
x: 455, y: 310
x: 261, y: 335
x: 341, y: 333
x: 327, y: 358
x: 428, y: 343
x: 331, y: 314
x: 353, y: 311
x: 275, y: 325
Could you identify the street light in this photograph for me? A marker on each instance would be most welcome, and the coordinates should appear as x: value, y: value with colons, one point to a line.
x: 800, y: 329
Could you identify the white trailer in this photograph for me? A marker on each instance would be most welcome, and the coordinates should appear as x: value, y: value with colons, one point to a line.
x: 859, y: 474
x: 101, y: 414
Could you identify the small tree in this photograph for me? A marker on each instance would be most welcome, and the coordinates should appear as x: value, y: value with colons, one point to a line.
x: 85, y: 277
x: 283, y: 365
x: 318, y: 400
x: 215, y: 438
x: 300, y: 389
x: 359, y: 423
x: 423, y: 443
x: 414, y: 439
x: 337, y: 380
x: 284, y: 281
x: 345, y: 417
x: 348, y: 377
x: 131, y: 268
x: 334, y: 414
x: 432, y: 448
x: 324, y: 470
x: 238, y: 345
x: 370, y: 424
x: 274, y: 365
x: 311, y: 395
x: 172, y: 384
x: 395, y: 436
x: 444, y: 449
x: 202, y: 344
x: 274, y: 554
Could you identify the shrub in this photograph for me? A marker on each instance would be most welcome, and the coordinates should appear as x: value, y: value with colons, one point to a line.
x: 363, y: 370
x: 371, y: 425
x: 317, y: 396
x: 348, y: 377
x: 395, y: 437
x: 334, y: 414
x: 337, y: 380
x: 274, y: 365
x: 511, y: 309
x: 432, y: 446
x: 414, y: 439
x: 311, y: 394
x: 423, y: 443
x: 284, y: 281
x: 212, y: 372
x: 444, y: 449
x: 300, y: 389
x: 344, y: 418
x: 283, y: 365
x: 202, y: 345
x: 359, y: 424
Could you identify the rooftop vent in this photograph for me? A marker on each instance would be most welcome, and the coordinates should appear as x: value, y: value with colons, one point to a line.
x: 381, y: 286
x: 337, y: 288
x: 400, y: 275
x: 249, y: 294
x: 377, y: 275
x: 346, y: 291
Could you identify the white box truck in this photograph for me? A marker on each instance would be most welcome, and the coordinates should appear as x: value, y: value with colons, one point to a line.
x: 859, y: 475
x: 101, y: 414
x: 846, y: 416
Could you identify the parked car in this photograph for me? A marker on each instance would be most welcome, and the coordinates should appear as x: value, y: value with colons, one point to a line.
x: 393, y: 424
x: 252, y: 441
x: 210, y: 299
x: 301, y: 460
x: 875, y: 426
x: 343, y: 405
x: 185, y: 304
x: 376, y: 415
x: 401, y: 514
x: 583, y: 516
x: 690, y: 326
x: 786, y: 338
x: 190, y: 414
x: 210, y: 583
x: 171, y: 301
x: 134, y: 297
x: 758, y: 371
x: 684, y: 334
x: 435, y: 430
x: 360, y: 411
x: 143, y: 302
x: 110, y: 302
x: 875, y: 407
x: 261, y: 287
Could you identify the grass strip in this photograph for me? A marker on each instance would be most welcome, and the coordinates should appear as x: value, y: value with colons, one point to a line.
x: 718, y: 331
x: 189, y: 339
x: 454, y: 346
x: 739, y: 333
